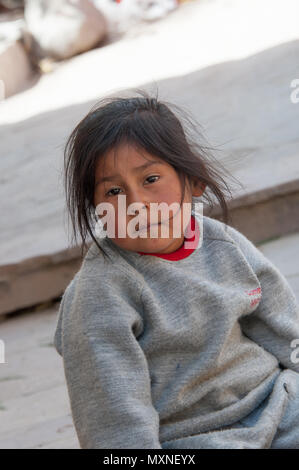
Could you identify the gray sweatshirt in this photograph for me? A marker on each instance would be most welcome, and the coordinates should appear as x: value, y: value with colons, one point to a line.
x: 156, y: 350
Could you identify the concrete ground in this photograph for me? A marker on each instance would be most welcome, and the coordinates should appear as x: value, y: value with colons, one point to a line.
x: 34, y: 405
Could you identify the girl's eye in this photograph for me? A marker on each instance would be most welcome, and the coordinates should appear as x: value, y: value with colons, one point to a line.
x: 113, y: 189
x: 117, y: 189
x: 153, y: 176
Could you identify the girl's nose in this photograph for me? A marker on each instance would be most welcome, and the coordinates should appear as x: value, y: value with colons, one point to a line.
x: 137, y: 201
x: 137, y: 205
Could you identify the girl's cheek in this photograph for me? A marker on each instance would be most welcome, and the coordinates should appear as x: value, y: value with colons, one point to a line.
x: 170, y: 194
x: 120, y: 221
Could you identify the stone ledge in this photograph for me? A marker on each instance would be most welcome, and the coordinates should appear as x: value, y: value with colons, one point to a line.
x: 36, y: 280
x: 266, y: 214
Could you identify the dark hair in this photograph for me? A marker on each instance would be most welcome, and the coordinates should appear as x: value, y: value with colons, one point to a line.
x: 145, y: 122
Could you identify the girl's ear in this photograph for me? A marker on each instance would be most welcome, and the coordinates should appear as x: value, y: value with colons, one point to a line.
x: 198, y: 187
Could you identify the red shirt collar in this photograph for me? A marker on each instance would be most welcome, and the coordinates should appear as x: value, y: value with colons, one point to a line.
x: 181, y: 252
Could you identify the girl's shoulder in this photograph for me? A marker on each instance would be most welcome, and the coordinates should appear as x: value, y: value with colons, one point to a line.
x: 216, y: 230
x: 104, y: 262
x: 100, y: 271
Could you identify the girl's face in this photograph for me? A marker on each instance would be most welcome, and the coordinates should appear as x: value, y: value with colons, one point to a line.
x: 143, y: 181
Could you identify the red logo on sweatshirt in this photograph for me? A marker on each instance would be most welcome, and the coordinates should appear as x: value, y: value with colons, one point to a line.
x: 258, y: 295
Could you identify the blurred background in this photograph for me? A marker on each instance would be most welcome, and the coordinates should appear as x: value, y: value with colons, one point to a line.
x: 232, y: 64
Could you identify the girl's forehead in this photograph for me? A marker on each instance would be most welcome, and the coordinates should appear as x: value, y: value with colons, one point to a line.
x: 126, y: 157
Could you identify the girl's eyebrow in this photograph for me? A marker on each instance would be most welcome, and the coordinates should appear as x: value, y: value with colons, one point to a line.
x: 136, y: 169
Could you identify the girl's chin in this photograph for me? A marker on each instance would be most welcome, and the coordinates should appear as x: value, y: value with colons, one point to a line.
x: 146, y: 245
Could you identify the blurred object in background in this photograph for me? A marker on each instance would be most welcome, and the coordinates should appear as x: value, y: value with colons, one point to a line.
x: 36, y: 33
x: 62, y: 28
x: 15, y: 65
x: 123, y: 14
x: 11, y: 4
x: 153, y: 10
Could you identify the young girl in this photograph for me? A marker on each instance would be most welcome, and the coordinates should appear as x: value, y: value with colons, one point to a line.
x: 164, y: 346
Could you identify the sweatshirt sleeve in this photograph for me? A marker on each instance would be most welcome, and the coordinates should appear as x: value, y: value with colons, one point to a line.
x: 105, y: 367
x: 274, y: 324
